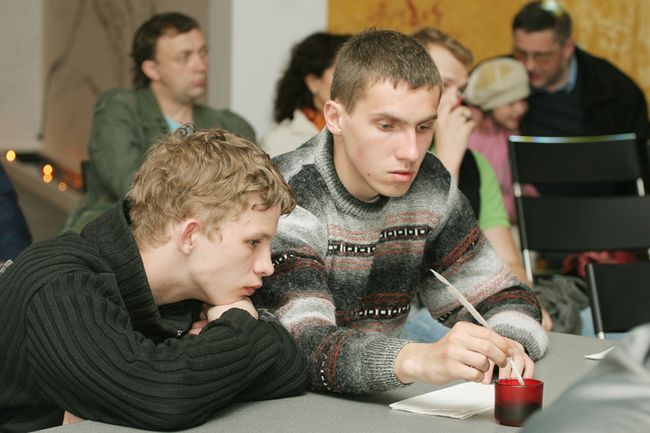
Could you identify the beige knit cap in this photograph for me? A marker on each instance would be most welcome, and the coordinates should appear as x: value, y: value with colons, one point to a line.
x: 497, y: 82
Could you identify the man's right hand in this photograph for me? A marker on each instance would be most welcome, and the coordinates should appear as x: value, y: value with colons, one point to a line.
x: 216, y: 311
x: 467, y: 352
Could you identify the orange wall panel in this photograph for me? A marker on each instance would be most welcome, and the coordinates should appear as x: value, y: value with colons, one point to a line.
x: 613, y: 29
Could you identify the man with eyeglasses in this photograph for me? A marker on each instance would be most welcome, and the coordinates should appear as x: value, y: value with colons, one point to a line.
x: 573, y: 92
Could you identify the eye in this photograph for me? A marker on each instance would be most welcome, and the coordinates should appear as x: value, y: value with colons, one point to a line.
x: 384, y: 126
x: 254, y: 242
x: 423, y: 127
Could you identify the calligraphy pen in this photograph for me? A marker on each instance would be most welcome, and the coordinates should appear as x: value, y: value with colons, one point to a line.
x: 477, y: 316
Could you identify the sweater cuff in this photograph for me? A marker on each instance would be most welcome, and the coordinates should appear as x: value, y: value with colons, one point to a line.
x: 235, y: 317
x: 379, y: 365
x: 522, y: 328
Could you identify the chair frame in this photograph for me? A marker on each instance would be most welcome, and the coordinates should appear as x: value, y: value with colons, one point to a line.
x: 566, y: 161
x: 602, y: 278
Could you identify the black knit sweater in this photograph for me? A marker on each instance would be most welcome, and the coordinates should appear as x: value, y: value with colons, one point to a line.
x: 79, y: 331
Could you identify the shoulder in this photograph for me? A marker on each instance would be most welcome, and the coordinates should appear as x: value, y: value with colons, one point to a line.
x: 288, y: 135
x: 117, y: 103
x: 299, y: 160
x: 117, y: 96
x: 608, y: 74
x: 45, y: 261
x: 207, y: 117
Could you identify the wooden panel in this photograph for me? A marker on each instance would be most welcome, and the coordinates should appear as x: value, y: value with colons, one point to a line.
x: 613, y: 29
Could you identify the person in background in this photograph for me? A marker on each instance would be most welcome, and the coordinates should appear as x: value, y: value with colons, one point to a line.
x: 471, y: 170
x: 573, y: 92
x: 170, y: 72
x: 613, y: 397
x: 302, y: 91
x: 145, y: 319
x: 14, y: 233
x: 474, y: 174
x: 375, y: 211
x: 498, y: 87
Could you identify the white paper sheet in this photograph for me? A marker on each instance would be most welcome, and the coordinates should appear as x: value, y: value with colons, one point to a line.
x: 458, y: 401
x: 599, y: 355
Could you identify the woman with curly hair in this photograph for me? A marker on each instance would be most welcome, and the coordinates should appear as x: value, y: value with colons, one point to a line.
x: 302, y: 91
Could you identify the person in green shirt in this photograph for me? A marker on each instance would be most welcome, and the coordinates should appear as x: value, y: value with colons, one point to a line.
x: 475, y: 177
x: 170, y: 64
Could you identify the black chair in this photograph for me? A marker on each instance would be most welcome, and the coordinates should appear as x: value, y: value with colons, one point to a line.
x: 595, y: 214
x: 619, y: 296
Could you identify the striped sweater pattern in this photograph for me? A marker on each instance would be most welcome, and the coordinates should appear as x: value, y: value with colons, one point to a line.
x: 79, y: 331
x: 346, y: 271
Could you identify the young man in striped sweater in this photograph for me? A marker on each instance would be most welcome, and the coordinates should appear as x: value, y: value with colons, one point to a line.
x: 375, y: 212
x: 145, y: 319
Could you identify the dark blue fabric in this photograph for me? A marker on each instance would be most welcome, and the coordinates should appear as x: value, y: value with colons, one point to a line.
x: 14, y: 234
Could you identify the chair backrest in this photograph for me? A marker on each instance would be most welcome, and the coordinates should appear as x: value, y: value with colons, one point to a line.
x: 566, y: 224
x: 599, y: 218
x: 619, y: 296
x: 604, y: 159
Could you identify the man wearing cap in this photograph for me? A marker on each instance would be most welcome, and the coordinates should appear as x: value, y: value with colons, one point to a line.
x: 170, y: 67
x: 573, y: 92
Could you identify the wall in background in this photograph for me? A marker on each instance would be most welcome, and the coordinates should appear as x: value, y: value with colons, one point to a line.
x: 21, y: 84
x: 64, y: 53
x: 86, y: 47
x: 614, y: 29
x: 254, y: 38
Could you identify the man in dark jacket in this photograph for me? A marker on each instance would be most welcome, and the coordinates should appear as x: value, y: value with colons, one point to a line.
x: 145, y: 319
x: 573, y: 92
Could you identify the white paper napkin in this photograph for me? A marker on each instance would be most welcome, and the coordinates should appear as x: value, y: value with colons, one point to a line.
x: 459, y: 401
x: 599, y: 355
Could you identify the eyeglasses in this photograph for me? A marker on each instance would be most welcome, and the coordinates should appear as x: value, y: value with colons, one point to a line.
x: 539, y: 57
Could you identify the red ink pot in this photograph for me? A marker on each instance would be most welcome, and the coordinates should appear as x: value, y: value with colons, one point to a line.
x: 513, y: 403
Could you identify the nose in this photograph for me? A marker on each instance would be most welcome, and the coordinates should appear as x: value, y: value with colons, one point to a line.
x: 408, y: 148
x: 263, y: 266
x: 529, y: 63
x: 201, y: 62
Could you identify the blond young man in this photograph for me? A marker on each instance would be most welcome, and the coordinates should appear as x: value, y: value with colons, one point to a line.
x: 145, y: 319
x: 375, y: 211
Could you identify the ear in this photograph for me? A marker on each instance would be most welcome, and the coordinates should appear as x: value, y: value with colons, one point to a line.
x: 150, y: 69
x: 186, y: 232
x: 569, y: 48
x: 312, y: 82
x: 333, y: 111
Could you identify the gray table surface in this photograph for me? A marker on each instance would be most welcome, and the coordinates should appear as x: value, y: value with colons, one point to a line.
x: 563, y: 364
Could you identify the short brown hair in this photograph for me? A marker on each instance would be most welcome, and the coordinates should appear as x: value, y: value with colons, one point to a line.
x: 375, y: 56
x: 204, y: 175
x: 543, y: 15
x: 146, y: 38
x: 430, y: 36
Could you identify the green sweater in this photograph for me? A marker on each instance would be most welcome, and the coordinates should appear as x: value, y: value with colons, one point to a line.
x: 79, y: 331
x: 125, y: 124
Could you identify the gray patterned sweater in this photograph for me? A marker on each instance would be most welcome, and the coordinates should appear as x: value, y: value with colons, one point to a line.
x: 346, y: 271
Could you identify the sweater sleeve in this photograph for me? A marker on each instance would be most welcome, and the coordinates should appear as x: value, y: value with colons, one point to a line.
x: 340, y: 359
x: 460, y: 251
x: 85, y: 357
